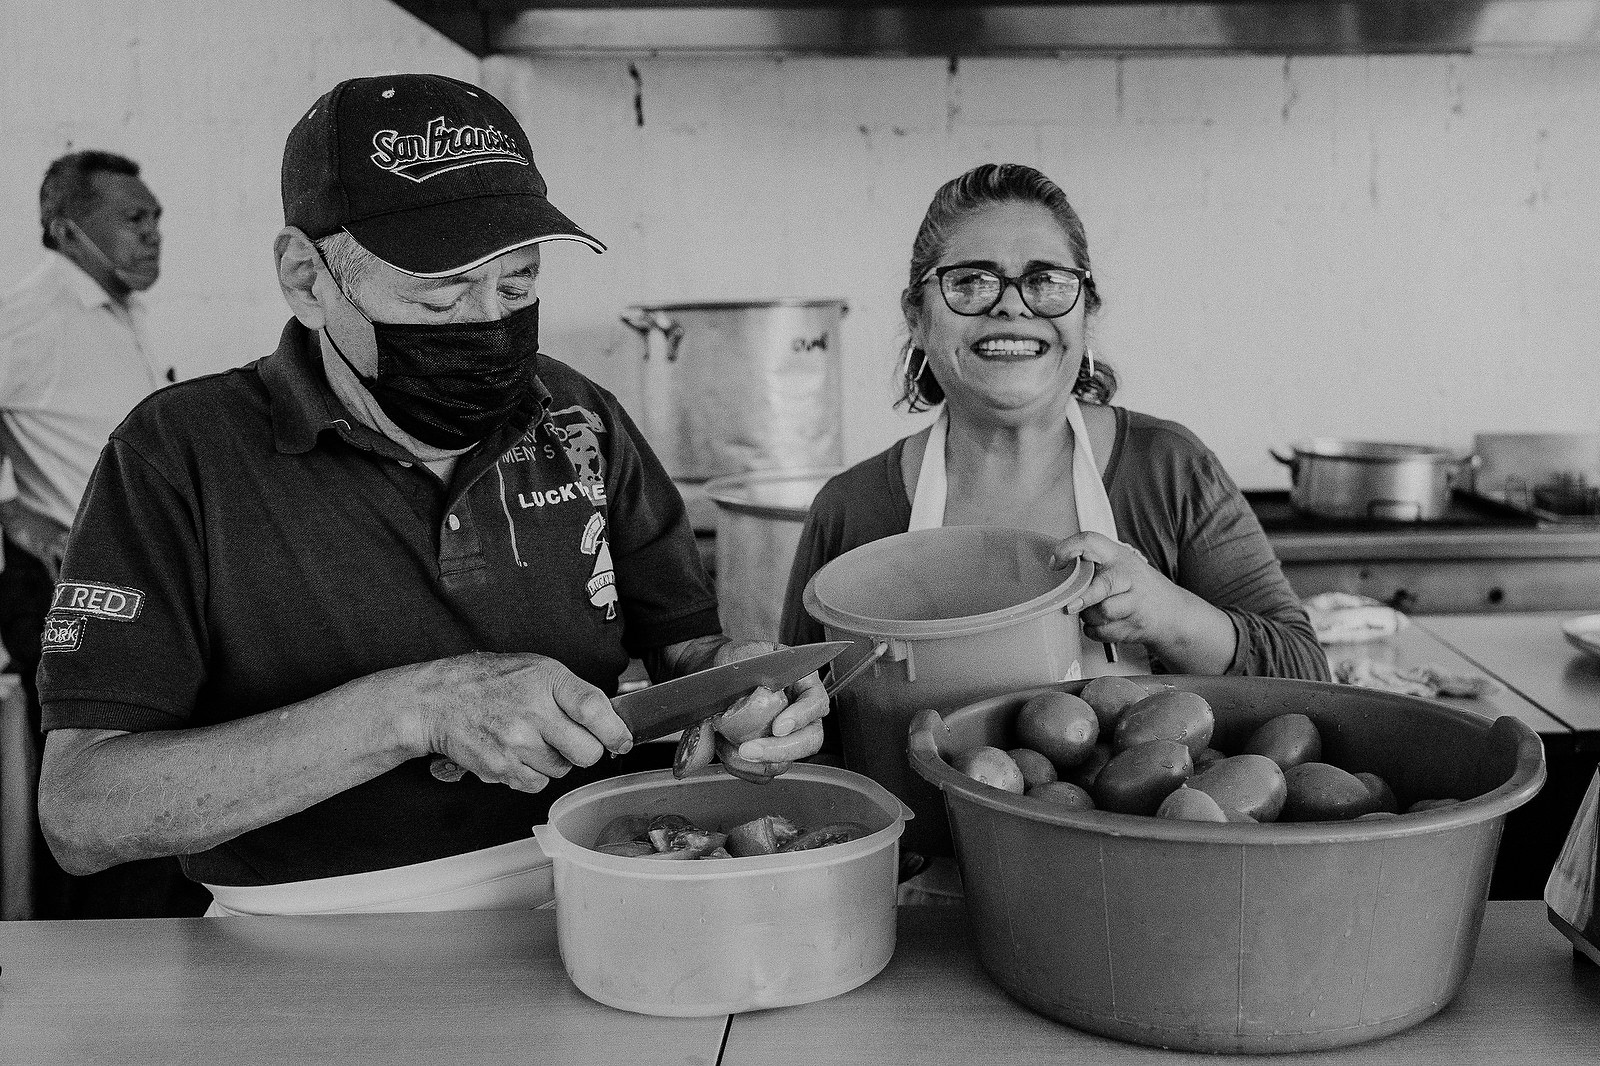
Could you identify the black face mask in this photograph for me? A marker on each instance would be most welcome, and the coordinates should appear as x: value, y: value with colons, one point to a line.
x: 455, y: 384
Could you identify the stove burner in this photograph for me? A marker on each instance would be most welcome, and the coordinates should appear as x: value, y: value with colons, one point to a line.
x: 1465, y: 511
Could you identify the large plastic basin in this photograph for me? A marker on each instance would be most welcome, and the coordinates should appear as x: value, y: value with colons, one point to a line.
x: 1243, y: 937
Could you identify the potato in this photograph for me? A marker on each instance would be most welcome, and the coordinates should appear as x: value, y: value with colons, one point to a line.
x: 1083, y: 775
x: 1206, y: 759
x: 696, y: 748
x: 1250, y: 784
x: 1381, y: 790
x: 760, y: 836
x: 1321, y: 792
x: 1137, y: 780
x: 1058, y: 725
x: 628, y: 849
x: 1182, y: 716
x: 624, y: 828
x: 1061, y: 794
x: 751, y: 716
x: 699, y: 841
x: 1190, y: 805
x: 1036, y: 769
x: 1288, y: 740
x: 825, y: 836
x: 992, y: 767
x: 674, y: 839
x: 1108, y: 696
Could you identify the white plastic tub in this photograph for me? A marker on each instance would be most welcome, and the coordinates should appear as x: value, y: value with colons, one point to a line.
x: 719, y: 936
x: 966, y: 612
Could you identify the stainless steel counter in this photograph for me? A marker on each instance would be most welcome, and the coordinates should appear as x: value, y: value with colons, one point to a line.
x: 1432, y: 544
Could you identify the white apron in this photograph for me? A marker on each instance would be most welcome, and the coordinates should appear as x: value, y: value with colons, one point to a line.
x: 513, y: 876
x: 1089, y: 494
x: 939, y: 883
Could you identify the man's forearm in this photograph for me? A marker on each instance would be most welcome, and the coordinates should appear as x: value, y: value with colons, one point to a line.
x: 107, y: 797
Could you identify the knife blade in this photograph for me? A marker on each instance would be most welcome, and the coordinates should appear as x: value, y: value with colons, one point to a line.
x: 658, y: 710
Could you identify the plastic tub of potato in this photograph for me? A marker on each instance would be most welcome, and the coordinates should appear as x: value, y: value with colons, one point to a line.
x: 719, y: 936
x: 1231, y: 937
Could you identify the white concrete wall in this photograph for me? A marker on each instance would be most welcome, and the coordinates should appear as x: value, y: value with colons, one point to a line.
x: 1385, y: 248
x: 202, y: 94
x: 1398, y: 248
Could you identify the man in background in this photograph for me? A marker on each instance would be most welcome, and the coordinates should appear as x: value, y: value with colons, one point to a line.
x: 74, y: 360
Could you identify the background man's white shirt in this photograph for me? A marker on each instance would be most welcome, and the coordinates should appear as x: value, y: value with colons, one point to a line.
x: 73, y: 363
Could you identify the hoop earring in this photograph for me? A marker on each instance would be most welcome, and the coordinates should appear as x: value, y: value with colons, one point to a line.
x: 905, y: 368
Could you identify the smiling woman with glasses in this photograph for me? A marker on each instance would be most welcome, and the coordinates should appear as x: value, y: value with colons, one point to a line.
x: 1185, y: 580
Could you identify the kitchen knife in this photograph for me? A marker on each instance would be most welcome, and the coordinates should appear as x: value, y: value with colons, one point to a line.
x: 658, y: 710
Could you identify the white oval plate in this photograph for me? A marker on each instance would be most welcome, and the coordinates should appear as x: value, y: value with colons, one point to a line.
x: 1583, y: 633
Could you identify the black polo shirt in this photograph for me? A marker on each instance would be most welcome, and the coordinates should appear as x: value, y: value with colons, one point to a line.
x: 245, y: 544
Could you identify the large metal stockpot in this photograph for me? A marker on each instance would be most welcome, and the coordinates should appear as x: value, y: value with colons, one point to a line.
x: 734, y: 387
x: 1369, y: 479
x: 759, y: 519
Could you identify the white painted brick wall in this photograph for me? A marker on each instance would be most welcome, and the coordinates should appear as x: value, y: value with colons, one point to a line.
x: 1391, y: 248
x: 1385, y: 248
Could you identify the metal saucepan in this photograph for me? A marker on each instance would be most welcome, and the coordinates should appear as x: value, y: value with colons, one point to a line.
x: 1367, y: 479
x: 1510, y: 466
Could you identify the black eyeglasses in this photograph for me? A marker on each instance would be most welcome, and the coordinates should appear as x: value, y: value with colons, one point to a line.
x: 1048, y: 292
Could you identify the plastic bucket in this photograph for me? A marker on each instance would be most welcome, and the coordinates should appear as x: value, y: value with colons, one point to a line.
x: 717, y: 936
x: 1244, y: 937
x: 966, y: 612
x: 759, y: 518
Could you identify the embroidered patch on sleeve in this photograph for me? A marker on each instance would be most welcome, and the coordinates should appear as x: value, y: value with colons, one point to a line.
x: 62, y: 632
x: 98, y: 601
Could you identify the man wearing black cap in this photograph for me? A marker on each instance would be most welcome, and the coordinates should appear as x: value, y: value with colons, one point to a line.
x: 296, y: 583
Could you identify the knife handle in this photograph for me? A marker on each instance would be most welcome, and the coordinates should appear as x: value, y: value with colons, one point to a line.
x: 837, y: 683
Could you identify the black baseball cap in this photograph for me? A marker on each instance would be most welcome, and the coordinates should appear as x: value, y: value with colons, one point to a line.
x: 432, y: 175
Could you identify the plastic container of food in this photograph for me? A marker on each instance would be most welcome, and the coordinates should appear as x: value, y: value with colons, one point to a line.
x: 1243, y: 937
x: 718, y: 936
x: 966, y: 612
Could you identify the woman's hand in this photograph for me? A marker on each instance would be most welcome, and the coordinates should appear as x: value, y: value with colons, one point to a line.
x: 1130, y: 600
